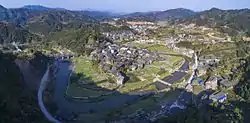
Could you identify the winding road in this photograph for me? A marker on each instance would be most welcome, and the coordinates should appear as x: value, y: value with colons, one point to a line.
x: 40, y: 98
x: 194, y: 69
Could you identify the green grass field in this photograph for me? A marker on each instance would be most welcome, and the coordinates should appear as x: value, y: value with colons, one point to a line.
x: 78, y: 91
x: 160, y: 48
x: 147, y: 75
x: 140, y: 80
x: 83, y: 65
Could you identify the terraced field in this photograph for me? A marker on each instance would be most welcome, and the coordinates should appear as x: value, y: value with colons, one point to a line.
x: 92, y: 85
x: 140, y: 80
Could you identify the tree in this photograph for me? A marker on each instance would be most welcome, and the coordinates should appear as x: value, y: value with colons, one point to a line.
x: 81, y: 41
x: 205, y: 114
x: 17, y: 103
x: 243, y: 87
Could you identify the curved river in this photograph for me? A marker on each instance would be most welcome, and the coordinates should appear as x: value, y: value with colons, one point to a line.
x: 177, y: 75
x: 66, y: 106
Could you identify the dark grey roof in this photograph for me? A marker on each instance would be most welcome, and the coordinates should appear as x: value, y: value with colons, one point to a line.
x: 212, y: 78
x: 227, y: 83
x: 225, y: 76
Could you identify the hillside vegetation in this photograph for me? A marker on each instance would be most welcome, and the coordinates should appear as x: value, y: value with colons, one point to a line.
x: 18, y: 104
x: 160, y: 15
x: 10, y: 33
x: 229, y: 21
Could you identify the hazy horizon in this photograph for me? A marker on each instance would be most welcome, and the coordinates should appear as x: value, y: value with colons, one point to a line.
x: 129, y: 6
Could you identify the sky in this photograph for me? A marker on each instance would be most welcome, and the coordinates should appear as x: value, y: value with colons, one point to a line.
x: 130, y: 5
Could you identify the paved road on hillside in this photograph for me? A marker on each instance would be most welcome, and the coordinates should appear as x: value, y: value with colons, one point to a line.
x: 40, y: 98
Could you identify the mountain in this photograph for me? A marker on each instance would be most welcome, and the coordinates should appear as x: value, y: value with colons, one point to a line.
x: 42, y: 20
x: 42, y: 8
x: 92, y: 13
x: 2, y: 9
x: 22, y: 15
x: 13, y: 33
x: 229, y: 21
x: 36, y: 7
x: 100, y: 15
x: 160, y: 15
x: 175, y: 13
x: 76, y: 39
x: 52, y: 21
x: 4, y: 13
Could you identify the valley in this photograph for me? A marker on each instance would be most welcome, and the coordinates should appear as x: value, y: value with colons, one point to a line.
x: 87, y: 66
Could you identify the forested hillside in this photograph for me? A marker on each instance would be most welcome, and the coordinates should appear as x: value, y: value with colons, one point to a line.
x: 77, y: 40
x: 14, y: 33
x: 33, y: 23
x: 53, y: 21
x: 243, y: 88
x: 18, y: 104
x: 205, y: 114
x: 229, y: 21
x: 159, y: 15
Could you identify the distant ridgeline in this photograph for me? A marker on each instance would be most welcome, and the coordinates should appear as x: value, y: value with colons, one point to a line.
x: 35, y: 23
x: 10, y: 32
x: 228, y: 21
x: 31, y: 24
x: 70, y: 29
x: 232, y: 22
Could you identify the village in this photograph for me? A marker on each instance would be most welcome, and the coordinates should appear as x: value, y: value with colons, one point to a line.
x: 141, y: 61
x: 125, y: 62
x: 118, y: 58
x: 115, y: 59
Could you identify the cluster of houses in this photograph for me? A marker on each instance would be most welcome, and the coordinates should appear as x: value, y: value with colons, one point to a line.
x: 120, y: 35
x: 135, y: 31
x: 118, y: 59
x: 213, y: 82
x: 207, y: 62
x: 141, y: 26
x: 143, y: 29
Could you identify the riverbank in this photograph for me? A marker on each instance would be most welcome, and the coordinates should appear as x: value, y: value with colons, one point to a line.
x: 108, y: 104
x: 68, y: 106
x: 42, y: 87
x: 93, y: 83
x: 96, y: 104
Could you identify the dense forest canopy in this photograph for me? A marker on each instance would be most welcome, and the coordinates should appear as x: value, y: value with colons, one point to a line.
x: 205, y: 114
x: 18, y: 104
